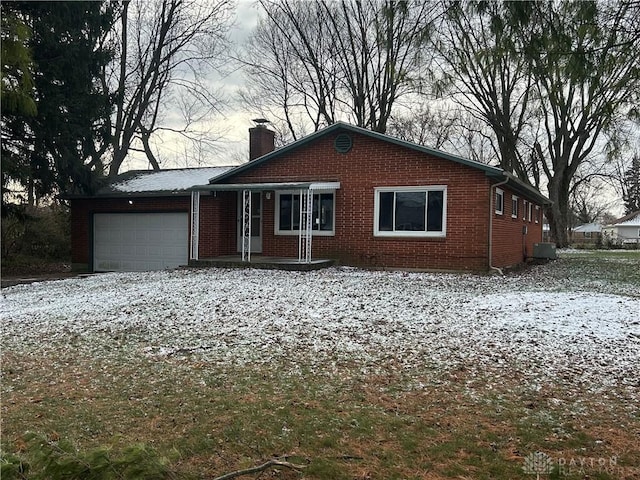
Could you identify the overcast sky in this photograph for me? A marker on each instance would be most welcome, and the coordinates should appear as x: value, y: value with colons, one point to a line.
x: 230, y: 127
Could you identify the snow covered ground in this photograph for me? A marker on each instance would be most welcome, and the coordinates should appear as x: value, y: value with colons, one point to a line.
x: 524, y: 326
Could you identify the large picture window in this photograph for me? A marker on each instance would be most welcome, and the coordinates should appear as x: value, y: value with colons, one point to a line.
x: 410, y: 211
x: 288, y: 213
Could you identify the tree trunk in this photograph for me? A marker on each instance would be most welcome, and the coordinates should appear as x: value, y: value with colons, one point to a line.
x: 558, y: 212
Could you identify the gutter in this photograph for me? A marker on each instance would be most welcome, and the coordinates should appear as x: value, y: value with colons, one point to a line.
x: 491, y: 214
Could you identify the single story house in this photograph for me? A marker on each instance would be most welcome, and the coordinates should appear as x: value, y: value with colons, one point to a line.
x: 625, y: 230
x: 588, y: 233
x: 343, y: 193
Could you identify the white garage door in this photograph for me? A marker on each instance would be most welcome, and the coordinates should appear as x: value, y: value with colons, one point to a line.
x: 133, y: 242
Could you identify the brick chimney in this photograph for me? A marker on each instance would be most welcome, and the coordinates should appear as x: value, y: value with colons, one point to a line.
x: 261, y: 139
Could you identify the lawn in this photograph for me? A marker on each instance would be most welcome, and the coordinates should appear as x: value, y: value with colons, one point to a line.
x: 354, y: 374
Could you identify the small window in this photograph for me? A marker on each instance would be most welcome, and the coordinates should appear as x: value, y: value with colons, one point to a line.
x: 514, y: 206
x: 499, y: 201
x: 537, y: 214
x: 410, y: 211
x: 288, y: 213
x: 530, y: 212
x: 525, y: 205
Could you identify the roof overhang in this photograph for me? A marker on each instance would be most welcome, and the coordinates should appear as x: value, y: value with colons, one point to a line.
x: 520, y: 187
x: 257, y: 187
x: 98, y: 196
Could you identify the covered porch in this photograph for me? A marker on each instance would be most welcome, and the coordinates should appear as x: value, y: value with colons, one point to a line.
x: 263, y: 262
x: 251, y: 200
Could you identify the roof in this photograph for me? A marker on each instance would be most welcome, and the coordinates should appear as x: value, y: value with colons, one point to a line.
x: 588, y: 228
x: 159, y: 182
x: 495, y: 172
x: 182, y: 181
x: 631, y: 220
x: 227, y: 187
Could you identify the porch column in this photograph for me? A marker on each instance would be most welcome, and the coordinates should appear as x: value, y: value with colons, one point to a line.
x: 246, y: 225
x: 306, y: 226
x: 195, y: 225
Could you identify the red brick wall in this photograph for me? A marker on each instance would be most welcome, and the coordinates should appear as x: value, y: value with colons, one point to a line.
x: 369, y: 164
x: 510, y: 245
x: 217, y: 234
x: 373, y: 163
x: 82, y: 211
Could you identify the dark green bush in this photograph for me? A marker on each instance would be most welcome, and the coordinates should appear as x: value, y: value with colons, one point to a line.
x: 36, y: 233
x: 60, y: 460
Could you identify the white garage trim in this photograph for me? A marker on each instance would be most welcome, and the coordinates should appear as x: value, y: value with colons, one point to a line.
x: 133, y: 242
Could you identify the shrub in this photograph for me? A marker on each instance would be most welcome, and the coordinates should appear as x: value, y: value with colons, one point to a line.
x: 40, y: 233
x: 57, y: 460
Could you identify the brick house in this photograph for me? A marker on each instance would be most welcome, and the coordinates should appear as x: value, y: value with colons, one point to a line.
x: 342, y: 193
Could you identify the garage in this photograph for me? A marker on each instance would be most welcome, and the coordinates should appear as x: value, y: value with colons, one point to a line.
x: 133, y: 242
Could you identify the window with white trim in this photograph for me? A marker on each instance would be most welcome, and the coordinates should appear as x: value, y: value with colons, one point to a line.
x: 530, y: 212
x: 287, y: 221
x: 524, y: 210
x: 410, y: 211
x: 499, y: 201
x: 514, y: 206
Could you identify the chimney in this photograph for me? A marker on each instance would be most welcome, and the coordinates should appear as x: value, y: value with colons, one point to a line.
x: 261, y: 139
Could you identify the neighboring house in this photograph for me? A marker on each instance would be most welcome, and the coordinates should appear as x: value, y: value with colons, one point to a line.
x: 625, y: 230
x: 588, y: 233
x: 342, y: 193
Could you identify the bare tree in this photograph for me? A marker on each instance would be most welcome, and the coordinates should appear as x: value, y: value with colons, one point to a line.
x: 290, y: 61
x: 585, y: 78
x: 482, y: 73
x: 446, y: 126
x: 551, y: 79
x: 322, y: 61
x: 165, y: 51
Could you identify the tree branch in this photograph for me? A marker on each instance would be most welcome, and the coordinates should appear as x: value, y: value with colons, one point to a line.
x: 262, y: 468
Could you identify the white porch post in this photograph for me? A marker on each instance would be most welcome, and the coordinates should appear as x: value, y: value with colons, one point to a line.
x: 306, y: 226
x: 246, y: 225
x: 195, y: 225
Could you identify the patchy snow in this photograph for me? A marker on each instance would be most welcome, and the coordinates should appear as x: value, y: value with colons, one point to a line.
x: 169, y: 180
x: 515, y: 326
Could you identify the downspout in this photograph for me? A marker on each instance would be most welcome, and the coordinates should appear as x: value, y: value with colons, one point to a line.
x: 491, y: 214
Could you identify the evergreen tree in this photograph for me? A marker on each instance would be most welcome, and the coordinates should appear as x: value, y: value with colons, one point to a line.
x: 57, y: 151
x: 631, y: 195
x: 16, y: 96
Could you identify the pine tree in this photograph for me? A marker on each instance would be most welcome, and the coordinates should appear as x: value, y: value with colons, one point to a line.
x: 53, y: 149
x: 631, y: 195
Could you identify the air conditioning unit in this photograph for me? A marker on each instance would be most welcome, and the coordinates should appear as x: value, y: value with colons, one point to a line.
x: 544, y: 250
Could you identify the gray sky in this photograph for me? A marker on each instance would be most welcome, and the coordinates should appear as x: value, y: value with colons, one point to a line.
x: 230, y: 128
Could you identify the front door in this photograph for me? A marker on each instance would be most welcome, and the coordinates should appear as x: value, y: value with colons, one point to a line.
x: 256, y: 222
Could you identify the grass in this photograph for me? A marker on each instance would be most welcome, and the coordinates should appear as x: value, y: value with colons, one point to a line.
x: 210, y: 419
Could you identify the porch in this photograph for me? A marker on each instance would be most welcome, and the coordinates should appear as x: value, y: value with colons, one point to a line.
x: 309, y: 211
x: 262, y: 262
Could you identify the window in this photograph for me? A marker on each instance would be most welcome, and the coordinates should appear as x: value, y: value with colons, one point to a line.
x: 410, y: 211
x: 514, y: 206
x: 288, y: 213
x: 537, y: 214
x: 530, y: 212
x: 525, y: 205
x: 499, y: 201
